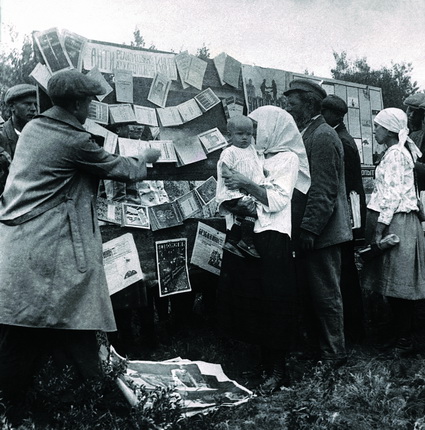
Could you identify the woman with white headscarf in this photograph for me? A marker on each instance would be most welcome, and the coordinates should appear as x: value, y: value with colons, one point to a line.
x: 399, y: 273
x: 257, y: 299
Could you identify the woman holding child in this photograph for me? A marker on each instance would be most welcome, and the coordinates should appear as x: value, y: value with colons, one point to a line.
x: 257, y: 300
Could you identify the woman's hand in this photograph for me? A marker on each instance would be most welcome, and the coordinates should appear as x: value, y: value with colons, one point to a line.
x: 379, y: 230
x: 234, y: 180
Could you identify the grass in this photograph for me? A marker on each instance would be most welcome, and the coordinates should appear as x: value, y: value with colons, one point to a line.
x: 372, y: 391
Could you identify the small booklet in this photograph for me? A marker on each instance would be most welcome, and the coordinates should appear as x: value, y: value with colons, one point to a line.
x: 233, y: 106
x: 207, y: 190
x: 212, y: 140
x: 169, y: 116
x: 96, y: 75
x: 190, y: 205
x: 207, y: 99
x: 41, y: 75
x: 108, y: 211
x: 159, y: 89
x: 196, y: 72
x: 168, y: 153
x: 121, y: 113
x: 173, y: 273
x: 99, y: 112
x: 189, y: 110
x: 183, y: 63
x: 145, y: 115
x: 51, y: 47
x: 165, y: 215
x: 123, y: 85
x: 189, y: 150
x: 132, y: 147
x: 74, y: 45
x: 354, y: 199
x: 134, y: 215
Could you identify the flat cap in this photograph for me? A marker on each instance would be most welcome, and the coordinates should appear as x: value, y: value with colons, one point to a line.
x: 306, y: 85
x: 415, y: 101
x: 335, y: 103
x: 19, y: 91
x: 72, y: 84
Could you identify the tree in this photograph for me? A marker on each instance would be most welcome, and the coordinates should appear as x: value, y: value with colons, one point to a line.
x: 203, y: 53
x: 395, y: 81
x: 16, y: 64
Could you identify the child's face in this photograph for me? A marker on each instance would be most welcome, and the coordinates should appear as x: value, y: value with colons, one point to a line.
x: 241, y: 135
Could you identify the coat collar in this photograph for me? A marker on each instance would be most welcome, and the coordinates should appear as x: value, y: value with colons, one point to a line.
x: 9, y: 130
x: 59, y: 114
x: 313, y: 125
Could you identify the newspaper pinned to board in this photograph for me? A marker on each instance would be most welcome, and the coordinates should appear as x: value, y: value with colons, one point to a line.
x: 121, y: 263
x: 200, y: 386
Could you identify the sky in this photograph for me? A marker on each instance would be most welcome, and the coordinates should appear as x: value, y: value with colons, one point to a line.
x: 291, y: 35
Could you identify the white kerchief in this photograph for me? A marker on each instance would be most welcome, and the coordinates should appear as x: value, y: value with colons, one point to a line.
x: 395, y: 120
x: 277, y: 132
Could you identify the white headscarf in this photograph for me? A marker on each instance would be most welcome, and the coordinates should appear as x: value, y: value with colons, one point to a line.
x: 277, y: 132
x: 395, y: 120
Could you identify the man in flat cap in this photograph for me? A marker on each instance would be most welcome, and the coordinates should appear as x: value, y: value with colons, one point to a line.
x: 321, y: 222
x: 53, y: 291
x: 415, y: 116
x: 334, y: 109
x: 22, y: 104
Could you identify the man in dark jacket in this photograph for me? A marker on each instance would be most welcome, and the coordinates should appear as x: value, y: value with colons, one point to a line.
x: 320, y: 221
x: 333, y: 110
x: 22, y: 103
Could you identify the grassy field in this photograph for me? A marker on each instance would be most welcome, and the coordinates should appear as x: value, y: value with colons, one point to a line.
x: 372, y: 391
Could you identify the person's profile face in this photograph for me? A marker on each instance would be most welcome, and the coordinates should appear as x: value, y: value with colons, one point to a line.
x: 414, y: 118
x: 331, y: 117
x: 295, y: 106
x: 24, y: 109
x: 380, y: 133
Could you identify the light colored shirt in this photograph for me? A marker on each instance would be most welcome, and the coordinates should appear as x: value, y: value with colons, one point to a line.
x: 394, y: 188
x: 282, y: 172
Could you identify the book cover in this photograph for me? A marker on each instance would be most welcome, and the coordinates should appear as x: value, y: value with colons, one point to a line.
x: 121, y: 113
x: 99, y: 112
x: 169, y: 116
x: 168, y: 153
x: 207, y: 99
x: 189, y: 110
x: 123, y: 85
x: 173, y: 273
x: 74, y: 45
x: 134, y: 215
x: 207, y: 190
x: 196, y: 72
x: 189, y: 205
x: 189, y: 150
x: 212, y: 140
x: 51, y: 47
x: 159, y: 89
x: 41, y: 75
x: 145, y: 115
x: 165, y: 215
x: 108, y: 211
x: 96, y: 75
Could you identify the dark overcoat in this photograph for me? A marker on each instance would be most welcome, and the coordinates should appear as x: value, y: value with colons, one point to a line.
x: 324, y: 210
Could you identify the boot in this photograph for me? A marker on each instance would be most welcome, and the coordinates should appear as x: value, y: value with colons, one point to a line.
x: 278, y: 377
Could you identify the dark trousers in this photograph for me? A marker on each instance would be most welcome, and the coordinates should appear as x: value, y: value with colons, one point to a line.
x: 319, y: 275
x: 24, y: 350
x: 352, y: 300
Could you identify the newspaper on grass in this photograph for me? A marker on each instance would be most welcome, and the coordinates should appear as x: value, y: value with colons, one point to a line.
x: 208, y: 248
x: 121, y: 263
x: 199, y: 386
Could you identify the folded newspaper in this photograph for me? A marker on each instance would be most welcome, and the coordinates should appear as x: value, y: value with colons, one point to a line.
x: 201, y: 386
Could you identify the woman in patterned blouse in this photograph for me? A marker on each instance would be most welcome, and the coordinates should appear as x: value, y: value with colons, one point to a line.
x: 399, y: 273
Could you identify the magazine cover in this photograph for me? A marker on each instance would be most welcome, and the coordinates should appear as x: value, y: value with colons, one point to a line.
x: 173, y: 273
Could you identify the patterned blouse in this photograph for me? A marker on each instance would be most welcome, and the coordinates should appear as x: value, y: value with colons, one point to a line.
x: 394, y: 189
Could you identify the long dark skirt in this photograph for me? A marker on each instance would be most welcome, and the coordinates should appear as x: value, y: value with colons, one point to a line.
x: 257, y: 300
